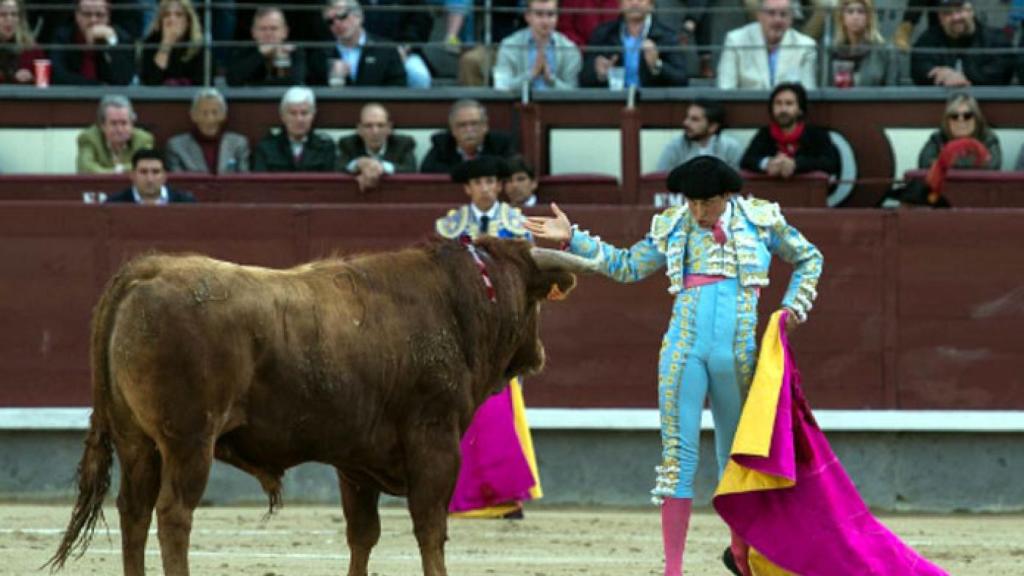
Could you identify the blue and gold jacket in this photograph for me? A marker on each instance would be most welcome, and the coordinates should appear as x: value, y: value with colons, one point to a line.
x: 756, y: 229
x: 507, y: 223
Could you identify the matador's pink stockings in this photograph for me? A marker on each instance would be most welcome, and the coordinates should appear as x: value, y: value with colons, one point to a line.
x: 740, y: 551
x: 675, y: 522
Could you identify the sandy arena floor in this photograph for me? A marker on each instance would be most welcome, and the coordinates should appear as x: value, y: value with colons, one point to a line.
x: 309, y: 541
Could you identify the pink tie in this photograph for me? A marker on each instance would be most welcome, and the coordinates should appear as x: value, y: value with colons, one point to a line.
x: 718, y: 233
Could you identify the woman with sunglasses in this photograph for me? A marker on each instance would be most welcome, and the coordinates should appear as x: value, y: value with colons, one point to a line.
x: 963, y: 119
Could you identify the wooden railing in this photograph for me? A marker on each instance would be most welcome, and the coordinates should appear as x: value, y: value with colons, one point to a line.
x: 917, y: 309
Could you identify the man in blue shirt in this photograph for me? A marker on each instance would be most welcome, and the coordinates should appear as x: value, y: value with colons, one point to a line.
x: 356, y: 58
x: 646, y: 48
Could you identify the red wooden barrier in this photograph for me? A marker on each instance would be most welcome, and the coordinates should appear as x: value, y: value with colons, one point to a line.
x: 980, y: 188
x: 306, y: 188
x: 917, y: 309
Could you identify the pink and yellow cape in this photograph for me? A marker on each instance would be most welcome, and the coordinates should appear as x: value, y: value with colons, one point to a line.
x: 785, y: 492
x: 499, y: 468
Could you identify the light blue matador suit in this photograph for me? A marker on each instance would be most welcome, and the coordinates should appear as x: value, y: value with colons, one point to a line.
x: 710, y: 343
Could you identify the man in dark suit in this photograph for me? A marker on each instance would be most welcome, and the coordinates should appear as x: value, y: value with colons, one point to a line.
x: 374, y: 150
x: 467, y: 137
x: 645, y: 49
x: 296, y: 147
x: 355, y: 59
x: 149, y: 182
x: 98, y: 51
x: 273, y: 61
x: 788, y: 145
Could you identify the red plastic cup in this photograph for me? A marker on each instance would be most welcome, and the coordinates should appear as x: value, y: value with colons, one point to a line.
x: 42, y: 71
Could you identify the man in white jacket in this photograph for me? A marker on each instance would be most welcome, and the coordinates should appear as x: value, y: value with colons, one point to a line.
x: 768, y: 52
x: 538, y: 54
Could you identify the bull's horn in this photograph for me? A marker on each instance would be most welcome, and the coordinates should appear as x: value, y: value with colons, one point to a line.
x: 548, y: 259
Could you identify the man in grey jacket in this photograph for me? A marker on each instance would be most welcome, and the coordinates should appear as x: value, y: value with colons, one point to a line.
x: 701, y: 136
x: 538, y: 54
x: 208, y: 148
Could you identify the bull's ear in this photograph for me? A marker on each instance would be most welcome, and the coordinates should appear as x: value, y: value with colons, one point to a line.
x: 561, y: 285
x: 556, y: 260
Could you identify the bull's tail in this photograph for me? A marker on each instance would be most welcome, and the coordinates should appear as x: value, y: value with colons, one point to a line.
x: 98, y: 457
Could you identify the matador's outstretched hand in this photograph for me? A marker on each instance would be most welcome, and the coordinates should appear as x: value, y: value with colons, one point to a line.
x: 557, y: 229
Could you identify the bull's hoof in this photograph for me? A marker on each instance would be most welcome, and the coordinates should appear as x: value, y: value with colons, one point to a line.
x: 730, y: 561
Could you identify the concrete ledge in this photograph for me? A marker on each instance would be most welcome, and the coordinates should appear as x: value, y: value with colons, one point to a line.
x: 57, y: 419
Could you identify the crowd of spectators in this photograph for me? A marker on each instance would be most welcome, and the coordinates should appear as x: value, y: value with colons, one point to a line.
x: 535, y: 44
x: 546, y: 44
x: 785, y: 146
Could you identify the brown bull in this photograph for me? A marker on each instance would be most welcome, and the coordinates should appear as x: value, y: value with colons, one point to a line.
x: 374, y: 365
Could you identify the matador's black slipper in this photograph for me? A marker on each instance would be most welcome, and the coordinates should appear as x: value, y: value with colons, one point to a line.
x: 730, y: 562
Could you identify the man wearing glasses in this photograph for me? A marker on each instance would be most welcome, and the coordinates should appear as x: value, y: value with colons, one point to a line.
x: 94, y: 50
x: 768, y: 52
x: 467, y: 137
x: 538, y: 55
x: 357, y: 58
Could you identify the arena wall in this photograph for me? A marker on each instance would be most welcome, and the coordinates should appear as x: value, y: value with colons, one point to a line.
x: 913, y: 353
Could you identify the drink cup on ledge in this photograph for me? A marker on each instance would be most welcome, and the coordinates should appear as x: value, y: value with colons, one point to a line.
x: 842, y: 73
x: 616, y: 78
x: 335, y: 76
x: 42, y: 72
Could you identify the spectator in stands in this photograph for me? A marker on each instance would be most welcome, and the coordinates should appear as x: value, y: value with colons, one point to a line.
x: 538, y: 55
x: 467, y: 137
x: 911, y: 16
x: 296, y: 147
x: 17, y: 46
x: 374, y: 150
x: 273, y: 61
x: 520, y: 183
x: 579, y: 18
x: 768, y: 52
x: 697, y: 30
x: 208, y: 148
x: 702, y: 136
x: 410, y: 28
x: 962, y: 119
x: 149, y: 182
x: 356, y: 59
x: 45, y: 17
x: 95, y: 51
x: 954, y: 53
x: 788, y: 145
x: 814, y: 25
x: 647, y: 49
x: 173, y: 55
x: 108, y: 145
x: 474, y: 66
x: 860, y: 56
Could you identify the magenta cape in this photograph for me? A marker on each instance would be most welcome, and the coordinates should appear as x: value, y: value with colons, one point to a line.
x: 494, y: 468
x: 785, y: 492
